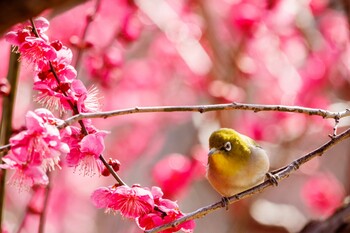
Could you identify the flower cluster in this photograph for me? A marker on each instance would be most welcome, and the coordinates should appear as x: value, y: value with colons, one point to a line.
x: 85, y: 149
x: 38, y: 149
x: 35, y: 150
x: 55, y: 76
x: 146, y: 206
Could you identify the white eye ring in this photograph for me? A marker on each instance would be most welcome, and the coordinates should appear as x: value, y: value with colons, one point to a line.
x: 228, y: 146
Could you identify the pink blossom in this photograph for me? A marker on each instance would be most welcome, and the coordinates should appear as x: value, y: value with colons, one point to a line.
x: 318, y: 6
x: 37, y: 51
x: 245, y: 16
x: 105, y: 67
x: 92, y: 145
x: 165, y: 211
x: 41, y: 143
x: 85, y: 149
x: 35, y: 150
x: 24, y: 175
x: 101, y: 197
x: 54, y: 97
x: 173, y: 174
x: 86, y: 100
x: 53, y: 92
x: 144, y: 205
x: 131, y: 27
x: 20, y: 32
x: 73, y: 138
x: 63, y: 71
x: 323, y: 194
x: 131, y: 202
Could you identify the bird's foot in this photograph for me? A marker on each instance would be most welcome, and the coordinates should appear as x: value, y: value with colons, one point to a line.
x: 225, y: 202
x: 272, y: 178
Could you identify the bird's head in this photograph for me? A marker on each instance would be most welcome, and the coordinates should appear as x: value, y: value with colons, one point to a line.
x: 229, y: 144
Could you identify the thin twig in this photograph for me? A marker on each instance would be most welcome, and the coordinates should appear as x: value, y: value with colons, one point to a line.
x: 43, y: 213
x: 111, y: 170
x: 208, y: 108
x: 282, y: 173
x: 34, y: 28
x: 335, y: 127
x: 89, y: 19
x: 4, y: 149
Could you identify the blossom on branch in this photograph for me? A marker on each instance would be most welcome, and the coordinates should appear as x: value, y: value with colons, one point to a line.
x: 131, y: 202
x: 37, y: 51
x: 166, y: 211
x: 146, y: 206
x: 35, y: 150
x: 85, y: 149
x: 20, y: 32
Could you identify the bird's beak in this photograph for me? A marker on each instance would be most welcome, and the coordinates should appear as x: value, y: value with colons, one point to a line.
x: 212, y: 151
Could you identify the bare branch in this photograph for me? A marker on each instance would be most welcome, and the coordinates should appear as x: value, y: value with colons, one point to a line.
x: 208, y: 108
x: 279, y: 174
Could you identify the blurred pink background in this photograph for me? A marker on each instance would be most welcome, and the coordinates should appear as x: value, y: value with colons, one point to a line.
x: 152, y: 53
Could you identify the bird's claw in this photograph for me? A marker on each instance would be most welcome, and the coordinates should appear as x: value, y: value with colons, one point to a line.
x: 225, y: 202
x: 272, y: 178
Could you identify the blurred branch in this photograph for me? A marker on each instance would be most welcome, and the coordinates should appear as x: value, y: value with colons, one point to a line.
x: 4, y: 149
x: 346, y: 6
x: 6, y: 122
x: 278, y: 175
x: 208, y: 108
x: 44, y: 211
x: 89, y: 19
x: 339, y: 222
x: 16, y: 11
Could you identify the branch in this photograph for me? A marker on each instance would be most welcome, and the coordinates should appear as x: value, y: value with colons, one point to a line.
x: 88, y: 22
x: 44, y: 211
x: 279, y: 174
x: 16, y: 11
x: 208, y: 108
x: 6, y: 122
x: 337, y: 223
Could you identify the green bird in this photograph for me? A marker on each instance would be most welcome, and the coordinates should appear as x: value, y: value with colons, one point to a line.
x: 235, y: 162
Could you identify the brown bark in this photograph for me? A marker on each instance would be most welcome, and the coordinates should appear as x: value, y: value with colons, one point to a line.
x: 16, y: 11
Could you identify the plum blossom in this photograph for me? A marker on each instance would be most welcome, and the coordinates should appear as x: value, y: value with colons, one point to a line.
x: 24, y: 176
x: 323, y: 194
x: 20, y: 32
x: 37, y: 51
x: 131, y: 202
x: 86, y: 100
x: 36, y: 149
x: 85, y: 149
x: 144, y: 205
x: 174, y: 173
x: 165, y: 211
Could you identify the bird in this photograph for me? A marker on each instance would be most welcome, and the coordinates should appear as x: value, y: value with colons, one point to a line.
x: 235, y: 163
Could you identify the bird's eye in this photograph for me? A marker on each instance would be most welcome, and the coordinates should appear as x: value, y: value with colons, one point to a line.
x: 228, y: 146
